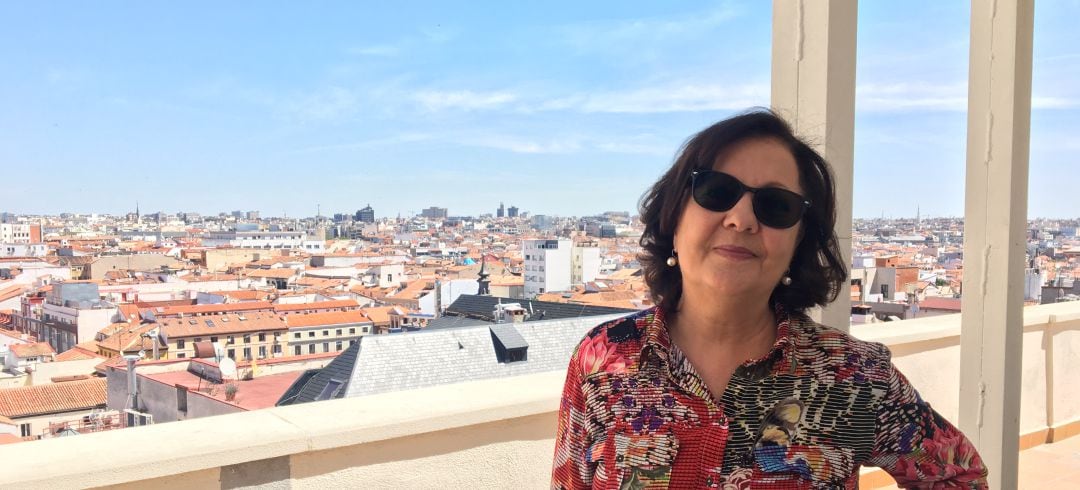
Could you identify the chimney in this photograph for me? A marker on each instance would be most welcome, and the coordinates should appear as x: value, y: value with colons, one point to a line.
x: 133, y: 389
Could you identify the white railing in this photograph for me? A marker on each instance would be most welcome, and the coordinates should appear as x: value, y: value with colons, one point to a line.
x: 480, y: 434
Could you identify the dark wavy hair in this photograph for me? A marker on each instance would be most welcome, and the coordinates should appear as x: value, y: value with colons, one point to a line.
x: 817, y: 270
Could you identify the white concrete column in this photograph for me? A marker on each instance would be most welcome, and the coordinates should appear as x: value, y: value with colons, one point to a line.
x: 995, y: 217
x: 813, y: 87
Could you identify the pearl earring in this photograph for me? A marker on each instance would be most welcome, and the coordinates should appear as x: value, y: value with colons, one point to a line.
x: 673, y: 260
x: 786, y: 280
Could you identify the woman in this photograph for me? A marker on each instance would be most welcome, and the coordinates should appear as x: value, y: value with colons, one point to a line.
x: 726, y: 382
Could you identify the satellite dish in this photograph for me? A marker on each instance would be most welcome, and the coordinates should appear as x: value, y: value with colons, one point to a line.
x: 228, y: 368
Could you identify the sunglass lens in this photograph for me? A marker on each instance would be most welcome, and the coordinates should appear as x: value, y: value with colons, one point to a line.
x: 777, y: 208
x: 717, y: 191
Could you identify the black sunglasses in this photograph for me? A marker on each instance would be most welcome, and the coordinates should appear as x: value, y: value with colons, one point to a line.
x: 774, y: 207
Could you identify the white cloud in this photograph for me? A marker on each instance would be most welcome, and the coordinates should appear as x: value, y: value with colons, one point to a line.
x: 676, y: 98
x: 1039, y: 102
x: 323, y: 105
x: 436, y: 100
x: 631, y: 34
x: 376, y: 50
x: 919, y: 96
x: 516, y: 145
x: 356, y: 145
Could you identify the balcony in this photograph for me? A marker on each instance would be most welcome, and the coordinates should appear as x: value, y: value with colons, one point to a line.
x: 1016, y: 363
x: 499, y: 433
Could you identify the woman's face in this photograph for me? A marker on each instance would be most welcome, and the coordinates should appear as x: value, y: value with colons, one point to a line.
x: 730, y: 252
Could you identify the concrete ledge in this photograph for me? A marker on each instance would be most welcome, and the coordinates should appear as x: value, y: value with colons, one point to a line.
x: 1063, y: 431
x: 948, y: 326
x: 490, y: 433
x: 214, y: 442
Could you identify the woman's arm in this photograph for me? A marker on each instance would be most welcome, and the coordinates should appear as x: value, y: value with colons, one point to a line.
x: 918, y: 447
x: 571, y: 468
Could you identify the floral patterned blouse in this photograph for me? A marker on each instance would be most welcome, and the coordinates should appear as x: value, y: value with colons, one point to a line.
x: 808, y: 414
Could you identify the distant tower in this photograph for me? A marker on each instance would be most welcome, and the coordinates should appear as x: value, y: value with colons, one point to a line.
x: 501, y: 212
x: 136, y: 211
x: 482, y: 278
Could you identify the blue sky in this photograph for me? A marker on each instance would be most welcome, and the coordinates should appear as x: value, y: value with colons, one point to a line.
x: 568, y: 108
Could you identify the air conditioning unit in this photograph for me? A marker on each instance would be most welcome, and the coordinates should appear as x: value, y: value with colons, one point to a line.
x: 135, y: 418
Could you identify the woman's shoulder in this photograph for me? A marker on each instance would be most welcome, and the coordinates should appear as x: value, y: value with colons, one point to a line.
x: 625, y: 329
x: 812, y: 339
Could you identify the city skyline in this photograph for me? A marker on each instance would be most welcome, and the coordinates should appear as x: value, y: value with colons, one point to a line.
x: 570, y: 110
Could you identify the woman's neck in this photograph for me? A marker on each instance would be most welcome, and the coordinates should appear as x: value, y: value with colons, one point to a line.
x: 732, y: 322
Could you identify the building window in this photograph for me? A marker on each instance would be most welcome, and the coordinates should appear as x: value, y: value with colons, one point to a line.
x: 262, y: 337
x: 338, y: 332
x: 180, y: 344
x: 365, y: 330
x: 262, y: 351
x: 232, y: 354
x: 311, y: 348
x: 325, y: 333
x: 296, y: 350
x: 247, y: 352
x: 326, y: 346
x: 247, y: 338
x: 338, y: 345
x: 296, y: 335
x: 230, y: 340
x: 24, y: 429
x: 198, y: 339
x: 213, y: 339
x: 311, y: 333
x: 180, y: 355
x: 277, y: 348
x: 352, y: 331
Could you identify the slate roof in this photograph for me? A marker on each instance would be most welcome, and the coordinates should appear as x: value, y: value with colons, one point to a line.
x: 482, y: 308
x: 444, y: 322
x: 508, y: 336
x: 427, y: 358
x: 308, y: 387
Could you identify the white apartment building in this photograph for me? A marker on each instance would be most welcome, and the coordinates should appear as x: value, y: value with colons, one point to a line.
x: 8, y: 249
x: 547, y: 266
x: 265, y: 240
x: 555, y: 265
x: 19, y: 233
x: 585, y: 264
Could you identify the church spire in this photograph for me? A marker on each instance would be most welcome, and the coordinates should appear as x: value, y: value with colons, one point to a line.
x: 482, y: 278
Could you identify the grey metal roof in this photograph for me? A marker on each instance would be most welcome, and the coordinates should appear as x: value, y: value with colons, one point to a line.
x: 508, y: 336
x: 482, y: 307
x: 444, y: 322
x: 428, y: 358
x: 340, y: 369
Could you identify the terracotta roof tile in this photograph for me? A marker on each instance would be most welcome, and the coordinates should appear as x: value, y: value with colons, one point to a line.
x: 320, y: 305
x: 223, y: 324
x: 32, y: 350
x: 77, y: 353
x: 279, y: 273
x: 327, y: 318
x: 26, y: 401
x: 169, y: 311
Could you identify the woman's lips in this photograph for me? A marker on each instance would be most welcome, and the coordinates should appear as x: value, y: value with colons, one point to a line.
x: 734, y: 252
